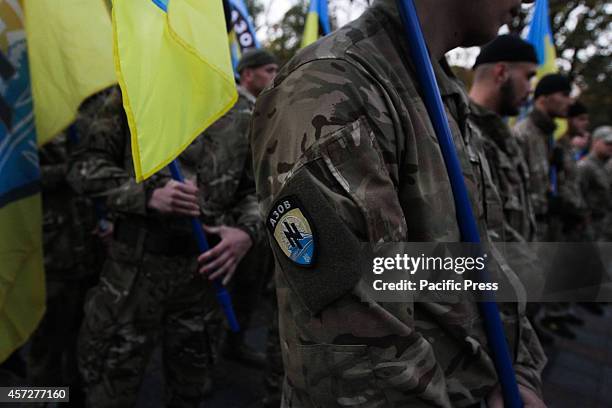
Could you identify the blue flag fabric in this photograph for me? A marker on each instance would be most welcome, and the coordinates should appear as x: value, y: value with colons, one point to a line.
x: 242, y: 36
x: 541, y: 37
x: 243, y: 26
x: 22, y: 285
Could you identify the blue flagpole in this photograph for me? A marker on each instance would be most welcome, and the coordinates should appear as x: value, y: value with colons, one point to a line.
x: 323, y: 16
x: 222, y: 294
x: 465, y: 217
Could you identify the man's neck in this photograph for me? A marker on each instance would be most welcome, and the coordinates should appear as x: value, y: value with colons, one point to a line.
x: 439, y: 27
x: 479, y: 94
x: 247, y: 90
x: 543, y: 120
x: 602, y: 158
x: 543, y: 112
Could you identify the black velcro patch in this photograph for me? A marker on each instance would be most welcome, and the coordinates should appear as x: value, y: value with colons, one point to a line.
x: 337, y: 265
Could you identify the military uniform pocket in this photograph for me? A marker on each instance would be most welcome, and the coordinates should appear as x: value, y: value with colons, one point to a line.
x: 354, y: 159
x: 339, y: 375
x: 120, y: 252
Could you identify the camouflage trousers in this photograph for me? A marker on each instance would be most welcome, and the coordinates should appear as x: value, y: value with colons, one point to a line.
x: 274, y: 373
x: 52, y: 358
x: 247, y: 286
x: 542, y: 229
x: 143, y: 300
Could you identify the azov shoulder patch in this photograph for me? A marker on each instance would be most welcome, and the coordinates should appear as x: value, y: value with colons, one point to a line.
x: 289, y: 225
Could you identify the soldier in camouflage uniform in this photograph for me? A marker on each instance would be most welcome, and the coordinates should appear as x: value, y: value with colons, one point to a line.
x: 226, y: 155
x: 344, y: 152
x: 560, y: 210
x: 609, y: 170
x: 502, y: 84
x: 72, y: 256
x: 595, y: 183
x: 149, y: 290
x: 568, y: 217
x: 257, y: 69
x: 503, y: 72
x: 536, y: 136
x: 578, y: 130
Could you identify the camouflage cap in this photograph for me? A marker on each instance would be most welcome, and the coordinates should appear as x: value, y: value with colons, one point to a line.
x: 254, y: 59
x: 603, y: 133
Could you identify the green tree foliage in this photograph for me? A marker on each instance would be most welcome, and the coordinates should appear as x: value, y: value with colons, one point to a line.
x: 583, y: 38
x: 255, y: 8
x: 286, y: 36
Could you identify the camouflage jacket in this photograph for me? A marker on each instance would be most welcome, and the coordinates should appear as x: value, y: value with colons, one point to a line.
x: 569, y: 207
x: 510, y: 174
x: 225, y: 174
x: 68, y: 219
x: 103, y: 168
x: 569, y: 190
x: 535, y: 135
x: 343, y: 136
x: 596, y: 187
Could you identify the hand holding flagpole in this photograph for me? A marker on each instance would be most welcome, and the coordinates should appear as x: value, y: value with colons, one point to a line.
x: 222, y: 294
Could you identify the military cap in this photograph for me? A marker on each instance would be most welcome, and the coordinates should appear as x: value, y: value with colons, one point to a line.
x: 577, y: 109
x: 254, y: 59
x: 507, y: 48
x: 603, y: 133
x: 551, y: 84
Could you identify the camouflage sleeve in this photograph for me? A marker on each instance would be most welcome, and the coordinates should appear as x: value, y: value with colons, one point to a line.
x: 530, y: 358
x: 225, y: 175
x: 97, y: 165
x: 53, y: 164
x: 246, y: 211
x: 521, y: 137
x: 585, y: 177
x: 318, y: 152
x: 537, y: 166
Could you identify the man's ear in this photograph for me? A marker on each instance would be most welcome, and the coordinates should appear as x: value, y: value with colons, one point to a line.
x: 501, y: 72
x: 247, y: 73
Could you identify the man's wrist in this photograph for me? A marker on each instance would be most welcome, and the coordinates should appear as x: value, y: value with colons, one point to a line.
x: 249, y: 231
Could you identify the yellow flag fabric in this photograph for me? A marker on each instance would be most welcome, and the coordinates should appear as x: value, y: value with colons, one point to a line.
x: 22, y: 286
x: 317, y: 22
x: 311, y: 29
x: 541, y: 37
x: 22, y: 283
x: 71, y: 57
x: 175, y: 73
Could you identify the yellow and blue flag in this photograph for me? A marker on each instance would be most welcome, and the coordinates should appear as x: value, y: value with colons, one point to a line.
x: 540, y: 35
x: 22, y: 285
x: 317, y: 22
x: 175, y: 73
x: 242, y: 35
x: 70, y: 47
